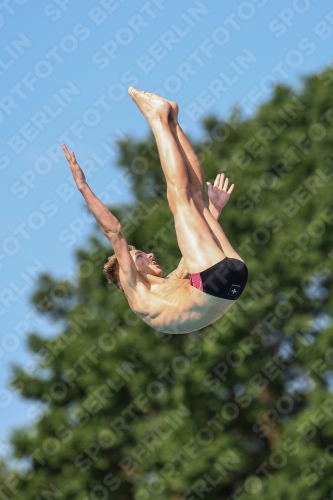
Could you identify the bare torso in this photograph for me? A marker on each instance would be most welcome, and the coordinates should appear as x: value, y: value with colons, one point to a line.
x: 173, y: 305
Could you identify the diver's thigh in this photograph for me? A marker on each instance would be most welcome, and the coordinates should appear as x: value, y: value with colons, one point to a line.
x: 196, y: 241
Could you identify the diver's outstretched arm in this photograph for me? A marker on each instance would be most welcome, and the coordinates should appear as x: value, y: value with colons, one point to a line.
x: 108, y: 223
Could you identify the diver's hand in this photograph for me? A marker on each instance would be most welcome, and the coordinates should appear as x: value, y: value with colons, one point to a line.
x: 219, y: 194
x: 79, y: 177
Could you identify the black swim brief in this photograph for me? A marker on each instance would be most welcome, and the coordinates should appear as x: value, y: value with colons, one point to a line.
x: 226, y: 279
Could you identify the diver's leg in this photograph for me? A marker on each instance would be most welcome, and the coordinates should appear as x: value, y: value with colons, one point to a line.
x: 195, y: 238
x: 197, y: 180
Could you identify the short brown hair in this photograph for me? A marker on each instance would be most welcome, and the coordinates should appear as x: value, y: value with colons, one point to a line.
x: 111, y: 270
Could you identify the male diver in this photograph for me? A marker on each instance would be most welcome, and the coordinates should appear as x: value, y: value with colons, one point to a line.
x: 211, y: 276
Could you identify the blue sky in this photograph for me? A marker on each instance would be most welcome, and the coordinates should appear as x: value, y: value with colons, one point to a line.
x: 65, y: 69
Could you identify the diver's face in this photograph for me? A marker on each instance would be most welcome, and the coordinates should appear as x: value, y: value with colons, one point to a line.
x: 146, y: 263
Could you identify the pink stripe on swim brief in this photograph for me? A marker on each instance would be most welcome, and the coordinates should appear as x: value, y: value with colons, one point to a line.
x: 196, y: 281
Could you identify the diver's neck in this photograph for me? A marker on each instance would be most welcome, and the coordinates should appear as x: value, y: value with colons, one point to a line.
x: 151, y: 278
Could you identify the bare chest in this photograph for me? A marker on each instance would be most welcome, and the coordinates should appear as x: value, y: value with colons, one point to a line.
x: 173, y: 306
x: 159, y: 297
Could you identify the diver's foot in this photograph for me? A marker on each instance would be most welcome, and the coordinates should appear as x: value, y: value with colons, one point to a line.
x: 173, y: 116
x: 151, y: 107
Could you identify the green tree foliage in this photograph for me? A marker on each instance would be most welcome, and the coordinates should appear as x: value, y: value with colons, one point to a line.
x: 241, y: 409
